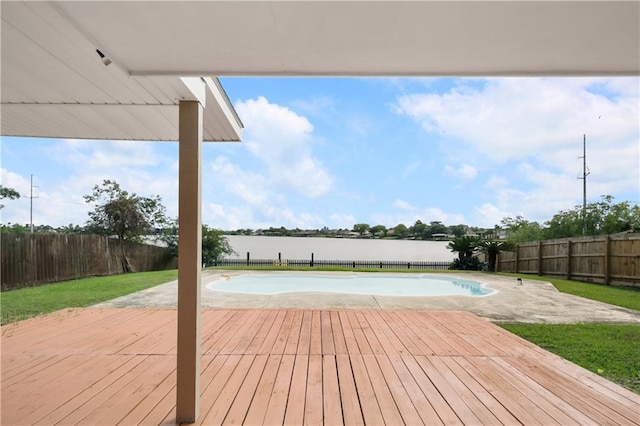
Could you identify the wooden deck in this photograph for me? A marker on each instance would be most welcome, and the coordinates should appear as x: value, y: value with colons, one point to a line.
x: 117, y: 366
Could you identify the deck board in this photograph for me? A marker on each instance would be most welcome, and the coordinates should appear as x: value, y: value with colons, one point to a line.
x: 117, y: 366
x: 280, y: 394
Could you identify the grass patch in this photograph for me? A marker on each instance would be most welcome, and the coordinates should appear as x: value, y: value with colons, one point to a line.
x: 626, y: 297
x: 610, y: 350
x: 16, y: 305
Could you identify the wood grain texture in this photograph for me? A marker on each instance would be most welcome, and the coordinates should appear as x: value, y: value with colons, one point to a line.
x: 117, y: 366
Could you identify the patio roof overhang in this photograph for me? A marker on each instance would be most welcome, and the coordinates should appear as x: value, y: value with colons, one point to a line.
x: 55, y: 83
x: 364, y: 38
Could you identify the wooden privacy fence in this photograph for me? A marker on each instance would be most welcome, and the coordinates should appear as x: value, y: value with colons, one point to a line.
x: 607, y: 259
x: 31, y: 259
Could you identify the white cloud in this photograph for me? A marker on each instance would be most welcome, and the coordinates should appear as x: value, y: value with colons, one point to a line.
x: 230, y: 217
x: 511, y: 118
x: 251, y: 187
x: 538, y: 123
x: 463, y: 171
x: 15, y: 211
x: 15, y: 181
x: 73, y: 167
x: 260, y: 190
x: 260, y: 204
x: 107, y: 154
x: 403, y: 205
x: 551, y: 193
x: 282, y: 140
x: 488, y: 215
x: 495, y: 182
x: 52, y: 204
x: 341, y: 221
x: 307, y: 176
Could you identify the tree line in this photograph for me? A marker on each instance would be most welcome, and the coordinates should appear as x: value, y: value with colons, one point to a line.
x: 417, y: 231
x: 596, y: 218
x: 132, y: 217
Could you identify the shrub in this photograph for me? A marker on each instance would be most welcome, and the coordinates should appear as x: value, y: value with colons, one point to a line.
x: 469, y: 263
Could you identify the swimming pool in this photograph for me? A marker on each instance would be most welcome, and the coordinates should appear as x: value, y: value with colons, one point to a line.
x: 374, y: 284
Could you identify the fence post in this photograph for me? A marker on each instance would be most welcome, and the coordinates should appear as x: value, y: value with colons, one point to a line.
x: 408, y: 265
x: 247, y: 258
x: 380, y: 265
x: 539, y: 257
x: 607, y: 259
x: 517, y: 266
x: 568, y: 259
x: 312, y: 260
x: 354, y: 265
x: 279, y: 258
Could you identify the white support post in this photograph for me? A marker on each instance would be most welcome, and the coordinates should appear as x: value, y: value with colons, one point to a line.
x: 189, y: 261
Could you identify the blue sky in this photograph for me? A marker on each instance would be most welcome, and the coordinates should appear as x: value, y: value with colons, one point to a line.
x: 339, y: 151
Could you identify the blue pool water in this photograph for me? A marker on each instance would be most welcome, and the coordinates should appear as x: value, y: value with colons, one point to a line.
x: 379, y: 285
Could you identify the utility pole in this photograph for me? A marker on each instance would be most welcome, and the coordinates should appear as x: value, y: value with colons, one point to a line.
x: 585, y: 173
x: 31, y: 197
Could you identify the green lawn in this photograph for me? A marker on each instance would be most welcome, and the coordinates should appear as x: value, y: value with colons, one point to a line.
x: 627, y: 297
x: 610, y: 350
x: 16, y: 305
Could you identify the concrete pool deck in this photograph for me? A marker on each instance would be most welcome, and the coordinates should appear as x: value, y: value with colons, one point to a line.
x: 531, y: 302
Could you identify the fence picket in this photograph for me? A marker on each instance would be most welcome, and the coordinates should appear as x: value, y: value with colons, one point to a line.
x: 606, y: 259
x: 32, y: 259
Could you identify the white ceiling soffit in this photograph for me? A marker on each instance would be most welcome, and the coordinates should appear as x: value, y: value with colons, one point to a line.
x: 55, y: 84
x: 352, y: 37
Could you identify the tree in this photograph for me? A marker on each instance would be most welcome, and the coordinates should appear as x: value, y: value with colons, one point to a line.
x: 361, y: 228
x: 400, y: 231
x: 14, y: 228
x: 492, y: 249
x: 127, y: 216
x: 70, y: 229
x: 168, y: 235
x: 378, y: 230
x: 457, y: 230
x: 214, y: 246
x: 464, y: 246
x: 436, y: 227
x: 9, y: 193
x: 418, y: 230
x: 520, y: 230
x: 602, y: 217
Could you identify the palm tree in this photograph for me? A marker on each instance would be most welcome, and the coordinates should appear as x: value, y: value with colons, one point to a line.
x: 492, y: 249
x: 464, y: 246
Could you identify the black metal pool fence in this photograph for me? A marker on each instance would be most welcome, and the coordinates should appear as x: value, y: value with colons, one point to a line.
x: 373, y: 264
